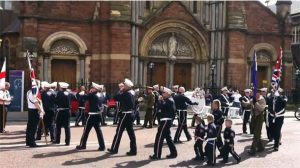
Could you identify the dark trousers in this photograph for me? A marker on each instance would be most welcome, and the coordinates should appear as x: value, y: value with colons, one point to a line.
x: 3, y: 116
x: 155, y: 115
x: 225, y: 111
x: 80, y: 117
x: 33, y: 120
x: 276, y: 131
x: 246, y: 121
x: 198, y: 148
x: 103, y: 116
x: 48, y: 121
x: 137, y: 116
x: 229, y: 149
x: 193, y: 120
x: 125, y: 122
x: 182, y: 125
x: 92, y: 121
x: 116, y: 117
x: 210, y: 152
x: 268, y: 129
x: 219, y: 138
x: 148, y: 117
x: 63, y: 120
x: 164, y: 133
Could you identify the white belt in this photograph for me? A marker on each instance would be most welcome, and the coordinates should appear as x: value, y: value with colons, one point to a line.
x: 182, y: 110
x: 211, y: 139
x: 60, y: 109
x: 93, y: 113
x: 165, y: 119
x: 227, y: 140
x: 279, y: 114
x: 126, y: 112
x: 81, y: 107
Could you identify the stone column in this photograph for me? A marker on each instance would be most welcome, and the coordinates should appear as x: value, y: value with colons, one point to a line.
x: 82, y: 67
x: 170, y: 71
x: 46, y: 57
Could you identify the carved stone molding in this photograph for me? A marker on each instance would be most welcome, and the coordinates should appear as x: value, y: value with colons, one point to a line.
x: 64, y: 47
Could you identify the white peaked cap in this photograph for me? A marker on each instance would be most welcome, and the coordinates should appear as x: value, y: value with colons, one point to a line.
x: 155, y: 86
x: 128, y: 82
x: 53, y: 84
x: 224, y: 89
x: 168, y: 91
x: 63, y: 85
x: 45, y: 84
x: 247, y: 90
x: 264, y: 89
x: 97, y: 86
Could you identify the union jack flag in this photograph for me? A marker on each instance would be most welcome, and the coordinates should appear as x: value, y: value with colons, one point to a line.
x: 276, y: 77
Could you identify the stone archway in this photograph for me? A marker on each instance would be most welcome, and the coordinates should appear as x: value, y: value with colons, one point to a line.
x: 175, y: 44
x: 64, y: 45
x: 266, y: 56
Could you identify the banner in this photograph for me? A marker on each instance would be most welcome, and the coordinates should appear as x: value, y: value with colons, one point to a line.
x: 16, y: 80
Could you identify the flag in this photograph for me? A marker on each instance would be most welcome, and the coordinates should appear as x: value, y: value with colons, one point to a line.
x: 34, y: 86
x: 3, y: 75
x: 253, y: 74
x: 277, y: 71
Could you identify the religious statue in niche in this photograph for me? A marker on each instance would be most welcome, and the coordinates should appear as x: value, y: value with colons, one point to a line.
x: 170, y: 45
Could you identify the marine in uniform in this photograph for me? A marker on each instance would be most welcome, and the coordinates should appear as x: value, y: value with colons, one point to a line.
x: 81, y: 106
x: 48, y: 99
x: 264, y: 92
x: 93, y: 119
x: 63, y: 102
x: 199, y: 138
x: 5, y: 100
x: 117, y: 113
x: 210, y: 147
x: 277, y: 110
x: 218, y: 120
x: 35, y: 112
x: 166, y: 113
x: 156, y: 95
x: 149, y: 100
x: 126, y: 100
x: 225, y: 102
x: 257, y: 121
x: 246, y: 106
x: 228, y: 147
x: 181, y: 102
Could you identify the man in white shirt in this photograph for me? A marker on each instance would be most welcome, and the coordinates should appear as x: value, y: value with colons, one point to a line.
x: 5, y: 100
x: 35, y: 112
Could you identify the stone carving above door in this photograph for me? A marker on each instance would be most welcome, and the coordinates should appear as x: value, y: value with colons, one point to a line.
x: 170, y: 45
x: 64, y: 47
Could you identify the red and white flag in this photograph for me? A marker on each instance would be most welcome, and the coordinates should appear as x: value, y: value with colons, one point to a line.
x: 3, y: 75
x: 276, y: 77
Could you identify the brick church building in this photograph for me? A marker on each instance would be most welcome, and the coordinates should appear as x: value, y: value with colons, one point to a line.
x: 191, y: 43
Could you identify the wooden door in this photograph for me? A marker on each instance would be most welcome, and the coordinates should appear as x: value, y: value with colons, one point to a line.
x: 64, y: 71
x: 182, y: 74
x: 158, y: 74
x: 262, y: 76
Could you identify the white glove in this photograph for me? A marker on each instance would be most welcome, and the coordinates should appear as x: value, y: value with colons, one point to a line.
x: 42, y: 115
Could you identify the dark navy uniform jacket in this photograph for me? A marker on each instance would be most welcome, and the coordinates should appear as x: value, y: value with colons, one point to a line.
x: 229, y: 135
x: 63, y: 99
x: 94, y: 100
x: 81, y: 99
x: 219, y: 119
x: 211, y: 131
x: 126, y: 100
x: 200, y: 131
x: 224, y: 101
x: 48, y: 99
x: 181, y: 102
x: 166, y: 109
x: 280, y: 104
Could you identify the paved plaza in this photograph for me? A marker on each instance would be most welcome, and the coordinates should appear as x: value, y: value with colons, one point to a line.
x: 14, y: 154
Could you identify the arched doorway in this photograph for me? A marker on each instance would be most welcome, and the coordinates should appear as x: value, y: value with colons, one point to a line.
x: 65, y: 56
x: 179, y: 52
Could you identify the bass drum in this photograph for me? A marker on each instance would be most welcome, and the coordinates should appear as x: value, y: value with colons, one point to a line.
x: 111, y: 112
